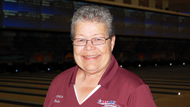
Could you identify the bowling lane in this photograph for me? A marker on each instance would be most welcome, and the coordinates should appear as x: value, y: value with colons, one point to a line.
x: 168, y: 100
x: 10, y: 105
x: 26, y: 81
x: 17, y: 89
x: 24, y: 84
x: 23, y: 98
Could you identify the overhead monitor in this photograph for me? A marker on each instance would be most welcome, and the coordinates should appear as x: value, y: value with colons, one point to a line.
x: 170, y: 25
x: 184, y: 27
x: 21, y: 13
x: 134, y: 22
x: 153, y: 24
x: 56, y: 15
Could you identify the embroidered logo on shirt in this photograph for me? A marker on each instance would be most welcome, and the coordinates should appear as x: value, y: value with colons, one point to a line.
x: 57, y: 98
x: 107, y: 103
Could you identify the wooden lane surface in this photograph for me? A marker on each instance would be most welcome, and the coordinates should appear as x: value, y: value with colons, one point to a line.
x: 169, y: 81
x: 23, y: 80
x: 24, y: 84
x: 18, y: 103
x: 20, y: 97
x: 10, y: 105
x: 23, y: 90
x: 167, y: 100
x: 28, y: 78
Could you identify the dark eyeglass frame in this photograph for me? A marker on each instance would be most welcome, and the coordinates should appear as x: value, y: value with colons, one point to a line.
x: 91, y: 41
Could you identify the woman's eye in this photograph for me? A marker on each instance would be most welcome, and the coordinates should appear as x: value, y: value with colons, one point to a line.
x: 80, y: 40
x: 98, y: 39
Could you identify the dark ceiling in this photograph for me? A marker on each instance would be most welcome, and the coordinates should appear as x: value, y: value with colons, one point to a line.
x: 175, y: 5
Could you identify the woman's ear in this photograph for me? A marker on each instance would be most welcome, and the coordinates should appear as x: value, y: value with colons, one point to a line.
x: 113, y: 42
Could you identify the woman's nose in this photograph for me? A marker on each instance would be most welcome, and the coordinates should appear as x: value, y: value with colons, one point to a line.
x: 89, y: 45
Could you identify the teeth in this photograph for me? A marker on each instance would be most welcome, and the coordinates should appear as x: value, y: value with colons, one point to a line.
x: 91, y: 56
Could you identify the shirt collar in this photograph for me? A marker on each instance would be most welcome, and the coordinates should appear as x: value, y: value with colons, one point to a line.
x: 106, y: 77
x: 73, y: 77
x: 109, y: 73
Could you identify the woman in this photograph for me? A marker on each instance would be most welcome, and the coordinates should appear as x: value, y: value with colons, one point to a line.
x: 96, y: 80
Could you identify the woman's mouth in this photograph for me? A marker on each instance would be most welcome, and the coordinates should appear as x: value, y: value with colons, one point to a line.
x: 91, y: 56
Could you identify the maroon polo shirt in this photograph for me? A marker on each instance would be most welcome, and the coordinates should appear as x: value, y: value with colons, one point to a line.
x: 119, y: 88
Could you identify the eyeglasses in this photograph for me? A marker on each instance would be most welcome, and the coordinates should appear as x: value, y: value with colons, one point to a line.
x: 94, y: 41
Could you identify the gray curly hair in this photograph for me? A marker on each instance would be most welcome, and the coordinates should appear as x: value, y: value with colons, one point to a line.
x: 93, y: 13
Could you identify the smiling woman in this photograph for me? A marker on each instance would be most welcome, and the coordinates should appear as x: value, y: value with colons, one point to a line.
x: 93, y: 58
x: 96, y: 80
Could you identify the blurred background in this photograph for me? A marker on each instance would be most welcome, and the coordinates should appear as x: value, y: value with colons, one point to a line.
x: 152, y: 40
x: 35, y: 34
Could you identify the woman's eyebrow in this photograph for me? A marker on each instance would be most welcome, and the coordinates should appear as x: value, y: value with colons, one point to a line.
x: 99, y: 34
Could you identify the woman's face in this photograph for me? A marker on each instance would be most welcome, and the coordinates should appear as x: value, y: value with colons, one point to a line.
x: 91, y: 58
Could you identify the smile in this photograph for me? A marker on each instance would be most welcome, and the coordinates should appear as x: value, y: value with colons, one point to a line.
x: 92, y: 56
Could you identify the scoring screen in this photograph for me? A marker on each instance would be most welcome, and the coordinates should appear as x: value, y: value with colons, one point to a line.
x: 134, y: 22
x: 55, y: 15
x: 153, y: 24
x: 21, y: 13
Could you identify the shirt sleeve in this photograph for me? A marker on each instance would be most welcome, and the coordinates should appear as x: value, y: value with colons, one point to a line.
x: 141, y: 97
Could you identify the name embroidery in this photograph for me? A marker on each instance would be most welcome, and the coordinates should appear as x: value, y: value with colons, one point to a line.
x: 57, y: 98
x: 56, y: 101
x: 107, y: 103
